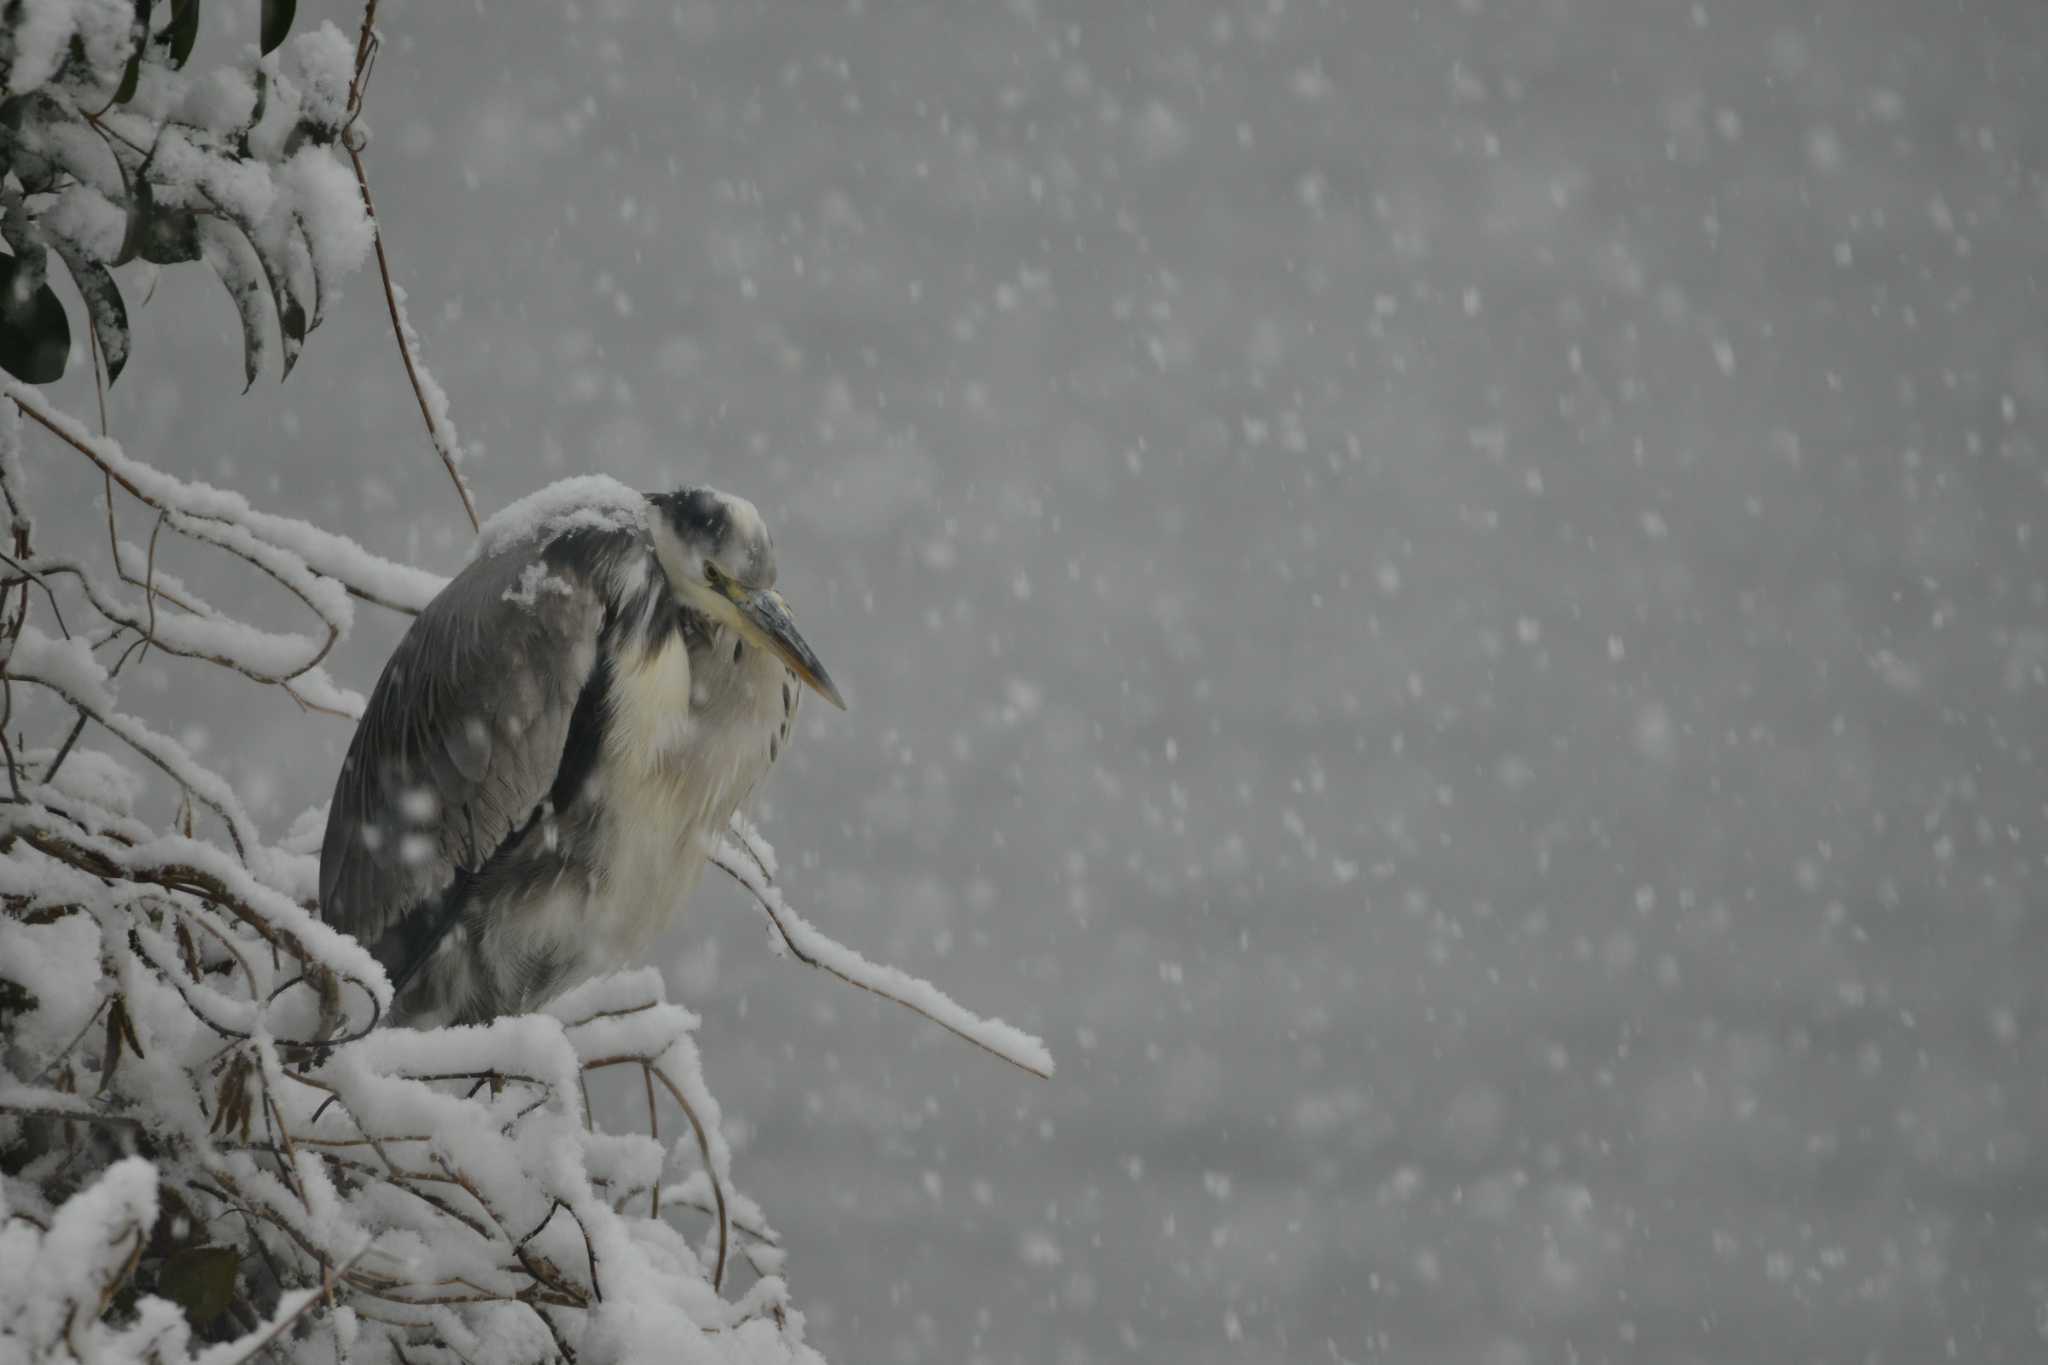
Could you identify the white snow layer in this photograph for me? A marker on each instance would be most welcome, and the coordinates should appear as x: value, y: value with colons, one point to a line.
x: 594, y: 501
x: 291, y: 549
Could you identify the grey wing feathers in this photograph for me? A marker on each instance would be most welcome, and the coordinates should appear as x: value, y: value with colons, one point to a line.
x: 462, y: 736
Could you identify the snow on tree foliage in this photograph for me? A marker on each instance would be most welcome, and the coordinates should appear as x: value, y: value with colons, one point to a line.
x: 113, y: 153
x: 209, y: 1150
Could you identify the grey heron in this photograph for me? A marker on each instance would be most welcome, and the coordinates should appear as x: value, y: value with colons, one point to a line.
x: 556, y: 745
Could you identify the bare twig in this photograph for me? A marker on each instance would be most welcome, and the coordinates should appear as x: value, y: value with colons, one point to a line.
x: 443, y: 439
x: 63, y: 752
x: 648, y: 1066
x: 47, y: 1105
x: 589, y: 1250
x: 33, y: 577
x: 113, y: 532
x: 654, y: 1131
x: 149, y: 584
x: 7, y: 716
x: 99, y: 379
x: 367, y: 44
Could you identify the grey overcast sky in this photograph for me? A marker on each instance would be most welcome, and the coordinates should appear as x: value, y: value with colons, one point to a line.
x: 1448, y: 598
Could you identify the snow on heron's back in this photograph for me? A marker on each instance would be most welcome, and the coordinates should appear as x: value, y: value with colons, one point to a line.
x: 593, y: 501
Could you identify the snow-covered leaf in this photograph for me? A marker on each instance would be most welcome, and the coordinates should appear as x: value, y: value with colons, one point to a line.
x: 131, y: 74
x: 104, y: 309
x: 182, y: 32
x: 277, y: 22
x: 234, y: 260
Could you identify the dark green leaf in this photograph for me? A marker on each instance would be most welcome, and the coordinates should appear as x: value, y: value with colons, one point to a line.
x: 277, y: 274
x: 312, y: 273
x: 245, y: 287
x: 200, y: 1280
x: 136, y: 197
x: 169, y: 236
x: 291, y: 322
x: 277, y: 22
x: 182, y: 32
x: 131, y: 77
x: 175, y: 1228
x: 117, y: 1030
x: 16, y: 998
x: 36, y: 107
x: 103, y: 307
x: 262, y: 78
x: 24, y: 144
x: 35, y: 336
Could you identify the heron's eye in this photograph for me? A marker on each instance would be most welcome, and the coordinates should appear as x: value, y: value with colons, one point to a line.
x: 714, y: 575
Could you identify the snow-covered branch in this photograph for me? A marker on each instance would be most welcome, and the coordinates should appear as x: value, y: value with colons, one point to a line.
x: 750, y: 860
x: 319, y: 566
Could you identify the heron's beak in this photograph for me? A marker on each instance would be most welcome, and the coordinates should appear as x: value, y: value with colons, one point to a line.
x: 767, y: 618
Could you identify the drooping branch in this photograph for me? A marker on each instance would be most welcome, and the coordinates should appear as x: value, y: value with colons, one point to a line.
x: 749, y: 860
x: 433, y: 400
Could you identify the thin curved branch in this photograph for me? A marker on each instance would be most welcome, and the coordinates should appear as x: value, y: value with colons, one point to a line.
x: 63, y: 751
x: 28, y: 577
x: 438, y: 432
x: 649, y: 1065
x: 145, y: 624
x: 7, y: 749
x: 443, y: 439
x: 746, y: 861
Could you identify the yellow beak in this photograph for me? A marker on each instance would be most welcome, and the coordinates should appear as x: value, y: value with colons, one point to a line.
x: 767, y: 618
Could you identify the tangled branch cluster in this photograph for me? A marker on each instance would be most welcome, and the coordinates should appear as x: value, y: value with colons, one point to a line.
x: 203, y: 1137
x: 205, y: 1146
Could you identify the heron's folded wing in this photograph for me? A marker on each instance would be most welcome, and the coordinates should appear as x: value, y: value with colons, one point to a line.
x: 464, y: 733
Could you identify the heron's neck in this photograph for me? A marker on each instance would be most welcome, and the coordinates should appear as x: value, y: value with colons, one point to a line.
x: 732, y: 682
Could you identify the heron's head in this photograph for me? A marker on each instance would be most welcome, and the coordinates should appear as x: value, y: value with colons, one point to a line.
x: 715, y: 551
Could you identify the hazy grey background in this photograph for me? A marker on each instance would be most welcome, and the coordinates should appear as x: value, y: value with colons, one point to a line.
x: 1448, y: 598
